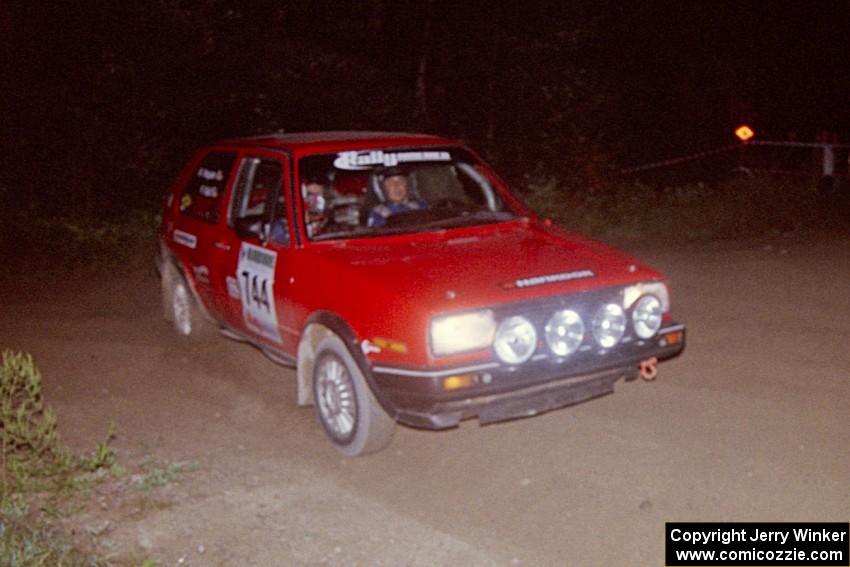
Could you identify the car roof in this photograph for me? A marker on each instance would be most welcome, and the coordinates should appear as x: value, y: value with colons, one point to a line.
x: 335, y: 140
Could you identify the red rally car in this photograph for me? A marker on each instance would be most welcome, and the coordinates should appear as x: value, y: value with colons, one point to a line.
x: 403, y: 281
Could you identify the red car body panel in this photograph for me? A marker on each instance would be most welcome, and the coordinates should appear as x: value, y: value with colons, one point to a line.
x: 412, y: 277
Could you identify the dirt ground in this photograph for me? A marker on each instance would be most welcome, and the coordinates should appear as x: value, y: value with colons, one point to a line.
x: 751, y: 423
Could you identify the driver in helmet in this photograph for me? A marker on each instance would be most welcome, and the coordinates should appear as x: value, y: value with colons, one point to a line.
x: 395, y: 185
x: 314, y: 188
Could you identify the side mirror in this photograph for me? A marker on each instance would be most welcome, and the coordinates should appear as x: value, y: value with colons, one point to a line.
x: 251, y: 226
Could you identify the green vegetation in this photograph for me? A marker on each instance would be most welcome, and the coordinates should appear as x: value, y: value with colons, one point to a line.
x: 738, y: 207
x: 30, y: 539
x: 60, y: 245
x: 31, y: 454
x: 102, y: 457
x: 44, y: 482
x: 38, y: 251
x: 38, y: 473
x: 156, y: 472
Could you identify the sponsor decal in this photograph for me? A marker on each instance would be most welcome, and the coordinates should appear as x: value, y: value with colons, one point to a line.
x: 210, y: 174
x: 374, y: 158
x: 259, y: 255
x: 209, y: 191
x: 548, y: 279
x: 185, y: 202
x: 368, y: 348
x: 186, y: 239
x: 202, y: 274
x: 255, y: 274
x: 233, y: 287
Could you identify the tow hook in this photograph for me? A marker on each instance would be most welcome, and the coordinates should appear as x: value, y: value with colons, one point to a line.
x: 649, y: 369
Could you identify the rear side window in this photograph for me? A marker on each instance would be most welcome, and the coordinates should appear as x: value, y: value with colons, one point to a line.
x: 202, y: 195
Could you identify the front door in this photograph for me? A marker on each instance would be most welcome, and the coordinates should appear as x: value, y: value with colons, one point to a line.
x: 258, y: 239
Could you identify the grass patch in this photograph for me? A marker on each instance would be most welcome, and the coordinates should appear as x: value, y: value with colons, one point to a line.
x: 32, y: 457
x: 30, y: 539
x: 40, y: 475
x: 739, y: 207
x: 156, y: 473
x: 44, y: 483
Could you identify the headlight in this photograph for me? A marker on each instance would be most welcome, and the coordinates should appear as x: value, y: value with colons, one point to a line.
x: 608, y: 325
x: 515, y: 340
x: 646, y: 317
x: 564, y: 332
x: 452, y: 334
x: 658, y: 289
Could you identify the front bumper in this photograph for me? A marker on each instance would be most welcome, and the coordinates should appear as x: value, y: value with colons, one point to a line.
x: 500, y: 392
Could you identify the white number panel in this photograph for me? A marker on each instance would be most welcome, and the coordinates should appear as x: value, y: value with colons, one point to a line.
x: 255, y: 273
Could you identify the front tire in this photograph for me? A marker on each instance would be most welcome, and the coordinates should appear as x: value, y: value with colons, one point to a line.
x: 352, y: 418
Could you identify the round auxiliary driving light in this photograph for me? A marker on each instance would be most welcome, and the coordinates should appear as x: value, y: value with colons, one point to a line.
x: 608, y: 325
x: 646, y: 316
x: 515, y: 340
x: 564, y: 332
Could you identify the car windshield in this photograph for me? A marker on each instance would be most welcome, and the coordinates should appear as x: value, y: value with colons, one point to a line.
x: 355, y: 194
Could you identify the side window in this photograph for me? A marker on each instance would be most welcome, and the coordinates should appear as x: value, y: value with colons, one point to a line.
x: 202, y: 195
x: 258, y: 195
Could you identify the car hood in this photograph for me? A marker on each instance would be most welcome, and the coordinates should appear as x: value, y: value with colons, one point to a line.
x: 460, y: 269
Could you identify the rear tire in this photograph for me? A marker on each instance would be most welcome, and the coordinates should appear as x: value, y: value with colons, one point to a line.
x: 180, y: 307
x: 352, y: 418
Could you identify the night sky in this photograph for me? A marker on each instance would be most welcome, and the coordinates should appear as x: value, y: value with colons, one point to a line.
x: 92, y: 90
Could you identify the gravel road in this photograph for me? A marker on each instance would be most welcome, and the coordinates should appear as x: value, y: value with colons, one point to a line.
x: 751, y: 423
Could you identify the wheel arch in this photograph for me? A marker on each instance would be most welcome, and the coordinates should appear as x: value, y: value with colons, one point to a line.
x: 319, y: 325
x: 170, y: 266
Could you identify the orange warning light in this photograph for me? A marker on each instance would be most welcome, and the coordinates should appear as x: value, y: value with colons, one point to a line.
x: 744, y: 132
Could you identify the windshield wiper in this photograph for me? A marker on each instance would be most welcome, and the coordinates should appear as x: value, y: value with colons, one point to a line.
x: 366, y: 232
x: 469, y: 218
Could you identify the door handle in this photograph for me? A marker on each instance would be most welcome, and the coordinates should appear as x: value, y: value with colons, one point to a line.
x: 222, y: 245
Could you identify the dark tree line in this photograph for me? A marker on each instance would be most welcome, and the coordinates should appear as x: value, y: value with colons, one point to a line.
x: 102, y: 101
x: 105, y: 100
